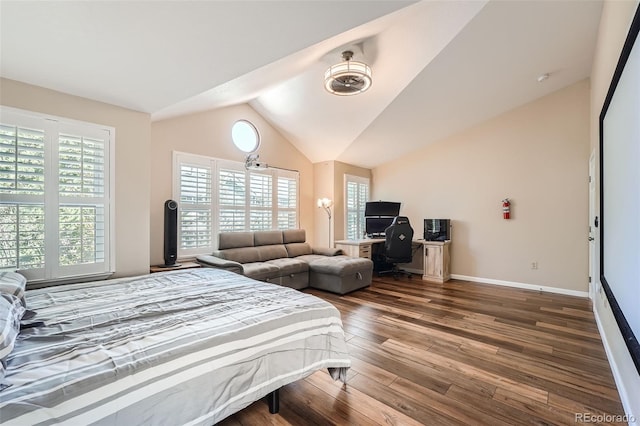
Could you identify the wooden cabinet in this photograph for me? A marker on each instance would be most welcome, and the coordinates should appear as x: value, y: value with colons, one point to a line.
x: 358, y: 248
x: 436, y: 261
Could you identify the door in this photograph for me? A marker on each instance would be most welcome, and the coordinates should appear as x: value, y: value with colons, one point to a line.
x: 592, y: 230
x: 433, y: 261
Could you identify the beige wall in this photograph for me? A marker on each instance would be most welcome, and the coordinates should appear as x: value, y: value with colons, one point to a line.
x: 209, y: 133
x: 131, y: 162
x: 614, y: 25
x: 329, y: 183
x: 536, y: 155
x: 323, y: 187
x: 340, y: 170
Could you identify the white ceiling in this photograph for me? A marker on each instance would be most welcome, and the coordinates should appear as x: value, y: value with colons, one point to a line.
x: 438, y: 66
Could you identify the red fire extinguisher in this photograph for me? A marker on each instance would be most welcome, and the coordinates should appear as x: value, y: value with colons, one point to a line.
x: 506, y: 209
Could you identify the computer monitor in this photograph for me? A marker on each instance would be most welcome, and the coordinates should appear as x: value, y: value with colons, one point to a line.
x: 381, y: 208
x: 437, y: 229
x: 375, y: 226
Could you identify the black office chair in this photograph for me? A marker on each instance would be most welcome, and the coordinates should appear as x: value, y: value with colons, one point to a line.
x: 397, y: 246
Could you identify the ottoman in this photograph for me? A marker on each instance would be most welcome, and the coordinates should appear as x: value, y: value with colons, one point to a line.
x: 340, y: 274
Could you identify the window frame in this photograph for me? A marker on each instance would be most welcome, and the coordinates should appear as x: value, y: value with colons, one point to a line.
x: 53, y: 127
x: 358, y: 180
x: 216, y: 165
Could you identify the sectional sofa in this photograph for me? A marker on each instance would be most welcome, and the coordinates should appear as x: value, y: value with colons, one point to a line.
x: 285, y: 258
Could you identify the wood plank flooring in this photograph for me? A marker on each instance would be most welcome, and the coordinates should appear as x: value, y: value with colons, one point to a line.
x: 459, y: 353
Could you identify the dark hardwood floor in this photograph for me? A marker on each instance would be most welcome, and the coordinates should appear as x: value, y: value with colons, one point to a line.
x: 459, y: 353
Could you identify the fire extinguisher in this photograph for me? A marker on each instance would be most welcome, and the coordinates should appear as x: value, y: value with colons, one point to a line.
x: 506, y: 209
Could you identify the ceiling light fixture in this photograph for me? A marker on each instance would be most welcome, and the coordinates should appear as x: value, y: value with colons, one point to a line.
x: 348, y: 77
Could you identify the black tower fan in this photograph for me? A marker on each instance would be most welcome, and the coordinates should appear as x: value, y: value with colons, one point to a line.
x: 170, y: 233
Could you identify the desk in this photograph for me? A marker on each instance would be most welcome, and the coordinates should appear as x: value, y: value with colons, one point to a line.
x: 434, y: 264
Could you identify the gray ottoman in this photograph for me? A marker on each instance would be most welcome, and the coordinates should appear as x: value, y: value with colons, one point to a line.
x: 340, y: 274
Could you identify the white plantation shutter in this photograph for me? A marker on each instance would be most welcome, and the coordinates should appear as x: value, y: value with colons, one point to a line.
x: 21, y: 236
x: 356, y: 195
x: 83, y: 213
x: 54, y: 196
x: 260, y: 201
x: 236, y: 200
x: 195, y: 207
x: 287, y: 208
x: 22, y: 243
x: 81, y: 166
x: 232, y: 200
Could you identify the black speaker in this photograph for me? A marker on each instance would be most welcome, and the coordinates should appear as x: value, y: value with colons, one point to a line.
x: 170, y: 233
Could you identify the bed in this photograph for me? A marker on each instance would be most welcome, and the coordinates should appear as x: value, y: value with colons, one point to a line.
x: 183, y: 347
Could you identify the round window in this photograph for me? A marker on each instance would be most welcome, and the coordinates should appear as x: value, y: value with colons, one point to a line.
x: 245, y: 136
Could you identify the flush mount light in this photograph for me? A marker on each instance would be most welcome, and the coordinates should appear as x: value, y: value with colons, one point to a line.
x: 348, y: 77
x: 245, y: 136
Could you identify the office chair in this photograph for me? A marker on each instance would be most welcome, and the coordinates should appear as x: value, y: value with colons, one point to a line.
x: 397, y: 245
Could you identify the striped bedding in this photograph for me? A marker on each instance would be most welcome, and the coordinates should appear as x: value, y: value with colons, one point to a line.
x: 183, y: 347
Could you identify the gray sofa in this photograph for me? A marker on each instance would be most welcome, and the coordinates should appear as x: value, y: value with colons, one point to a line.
x: 285, y: 258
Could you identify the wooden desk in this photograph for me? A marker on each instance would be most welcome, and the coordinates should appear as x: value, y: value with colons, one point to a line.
x: 358, y: 248
x: 436, y: 259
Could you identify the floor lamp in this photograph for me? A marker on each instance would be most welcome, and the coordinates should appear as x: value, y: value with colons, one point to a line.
x: 326, y: 204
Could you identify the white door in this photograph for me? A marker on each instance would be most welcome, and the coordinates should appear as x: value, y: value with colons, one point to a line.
x: 592, y: 230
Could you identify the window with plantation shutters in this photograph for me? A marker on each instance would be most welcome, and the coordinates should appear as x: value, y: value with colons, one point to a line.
x: 22, y: 243
x: 237, y: 200
x: 195, y: 218
x: 54, y: 196
x: 260, y: 201
x: 287, y: 208
x: 232, y: 200
x: 356, y: 195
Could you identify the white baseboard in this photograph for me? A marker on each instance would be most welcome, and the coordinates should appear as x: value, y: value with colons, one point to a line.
x: 625, y: 398
x: 522, y: 285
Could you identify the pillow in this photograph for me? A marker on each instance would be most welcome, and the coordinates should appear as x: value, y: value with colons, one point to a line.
x: 14, y: 284
x: 11, y: 311
x: 298, y: 249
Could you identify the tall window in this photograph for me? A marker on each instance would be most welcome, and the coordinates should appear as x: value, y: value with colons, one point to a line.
x: 54, y: 196
x: 356, y: 194
x: 222, y: 196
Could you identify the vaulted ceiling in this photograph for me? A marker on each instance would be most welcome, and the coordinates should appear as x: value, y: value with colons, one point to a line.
x: 438, y: 66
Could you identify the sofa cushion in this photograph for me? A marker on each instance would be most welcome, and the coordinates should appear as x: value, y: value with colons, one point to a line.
x: 240, y: 255
x: 228, y: 240
x: 298, y: 249
x: 260, y: 271
x: 267, y: 238
x: 294, y: 236
x: 289, y: 266
x: 340, y: 265
x: 327, y: 251
x: 308, y: 258
x: 271, y: 252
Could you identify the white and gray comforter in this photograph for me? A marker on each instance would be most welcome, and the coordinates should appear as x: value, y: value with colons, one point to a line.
x: 182, y: 347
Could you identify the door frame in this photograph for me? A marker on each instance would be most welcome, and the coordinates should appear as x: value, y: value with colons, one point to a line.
x: 592, y: 230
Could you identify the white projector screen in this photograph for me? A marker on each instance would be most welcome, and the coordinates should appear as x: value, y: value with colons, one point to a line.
x: 620, y: 193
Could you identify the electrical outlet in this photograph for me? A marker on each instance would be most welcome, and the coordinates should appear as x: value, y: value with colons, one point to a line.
x: 534, y: 265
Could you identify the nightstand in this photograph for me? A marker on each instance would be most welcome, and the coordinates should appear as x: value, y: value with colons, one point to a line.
x: 183, y: 265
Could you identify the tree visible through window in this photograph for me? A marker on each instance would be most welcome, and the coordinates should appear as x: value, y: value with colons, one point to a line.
x: 54, y: 196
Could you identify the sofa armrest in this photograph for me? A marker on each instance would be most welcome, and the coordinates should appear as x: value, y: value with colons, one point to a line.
x: 327, y: 251
x: 216, y: 262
